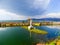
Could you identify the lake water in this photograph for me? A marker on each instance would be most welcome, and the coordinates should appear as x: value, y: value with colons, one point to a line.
x: 20, y: 36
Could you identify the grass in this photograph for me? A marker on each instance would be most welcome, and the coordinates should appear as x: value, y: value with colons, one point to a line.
x: 38, y: 31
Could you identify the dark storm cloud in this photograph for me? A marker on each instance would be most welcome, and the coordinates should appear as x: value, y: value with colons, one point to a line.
x: 25, y: 7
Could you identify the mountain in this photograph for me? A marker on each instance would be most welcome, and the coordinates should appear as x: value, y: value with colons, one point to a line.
x: 47, y: 19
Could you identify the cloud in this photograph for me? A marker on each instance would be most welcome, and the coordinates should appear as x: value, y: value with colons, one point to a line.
x: 53, y: 15
x: 40, y: 3
x: 49, y: 15
x: 27, y: 7
x: 5, y: 15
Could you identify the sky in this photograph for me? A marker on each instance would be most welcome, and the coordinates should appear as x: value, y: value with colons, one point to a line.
x: 54, y: 6
x: 23, y: 9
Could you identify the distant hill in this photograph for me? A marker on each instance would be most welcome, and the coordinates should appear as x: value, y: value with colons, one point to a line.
x: 47, y: 19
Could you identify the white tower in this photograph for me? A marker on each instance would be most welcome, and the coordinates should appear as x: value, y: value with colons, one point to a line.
x: 30, y: 26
